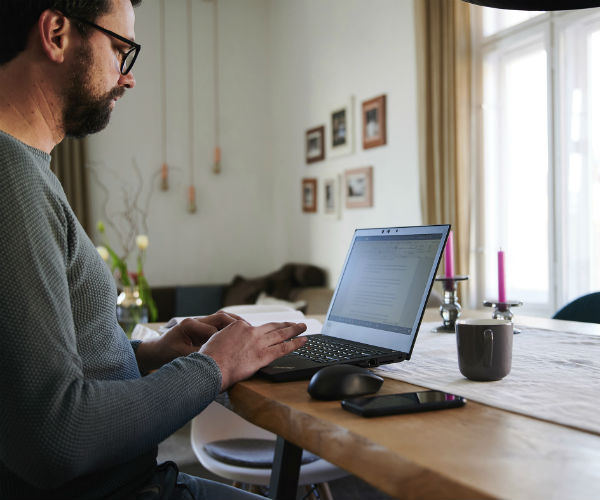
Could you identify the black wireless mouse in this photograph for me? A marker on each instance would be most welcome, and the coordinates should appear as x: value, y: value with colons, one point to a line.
x: 343, y: 381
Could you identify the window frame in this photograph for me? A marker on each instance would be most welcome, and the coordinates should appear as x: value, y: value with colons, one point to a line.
x: 552, y: 25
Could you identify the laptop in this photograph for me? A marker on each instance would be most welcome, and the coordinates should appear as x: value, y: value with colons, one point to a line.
x: 378, y: 303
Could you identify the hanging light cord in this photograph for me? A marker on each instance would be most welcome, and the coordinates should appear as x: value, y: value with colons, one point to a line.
x: 217, y: 164
x: 191, y: 90
x: 163, y: 78
x: 192, y: 109
x: 164, y: 169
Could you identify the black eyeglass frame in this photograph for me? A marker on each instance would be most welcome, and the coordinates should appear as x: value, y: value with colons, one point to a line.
x: 134, y: 46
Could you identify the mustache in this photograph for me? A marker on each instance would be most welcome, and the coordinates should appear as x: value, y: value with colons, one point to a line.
x: 115, y: 93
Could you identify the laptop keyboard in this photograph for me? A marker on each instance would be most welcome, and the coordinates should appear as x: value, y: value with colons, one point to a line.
x: 321, y: 349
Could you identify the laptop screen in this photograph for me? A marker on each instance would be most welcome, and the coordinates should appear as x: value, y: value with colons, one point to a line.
x: 384, y: 285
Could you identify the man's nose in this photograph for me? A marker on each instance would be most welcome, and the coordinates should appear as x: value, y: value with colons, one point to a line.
x: 127, y: 80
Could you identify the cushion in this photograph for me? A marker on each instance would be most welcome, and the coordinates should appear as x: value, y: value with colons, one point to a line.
x: 243, y: 291
x: 255, y: 453
x: 307, y: 275
x: 279, y: 283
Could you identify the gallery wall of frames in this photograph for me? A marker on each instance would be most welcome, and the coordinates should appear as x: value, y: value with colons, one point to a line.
x: 353, y: 187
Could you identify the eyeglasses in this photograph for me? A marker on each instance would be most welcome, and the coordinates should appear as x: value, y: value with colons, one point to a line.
x: 127, y: 58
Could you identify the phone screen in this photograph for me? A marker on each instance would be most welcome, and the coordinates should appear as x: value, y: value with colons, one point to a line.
x: 403, y: 403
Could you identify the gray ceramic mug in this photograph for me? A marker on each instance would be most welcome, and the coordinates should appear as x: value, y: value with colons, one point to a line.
x: 484, y: 348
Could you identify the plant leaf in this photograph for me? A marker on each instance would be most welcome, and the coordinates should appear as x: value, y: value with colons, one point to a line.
x: 118, y: 263
x: 146, y: 297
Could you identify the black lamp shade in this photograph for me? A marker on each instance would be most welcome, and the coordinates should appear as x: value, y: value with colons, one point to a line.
x: 537, y: 4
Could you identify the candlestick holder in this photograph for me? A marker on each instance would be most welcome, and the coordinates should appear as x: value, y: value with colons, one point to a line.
x: 502, y: 310
x: 450, y: 308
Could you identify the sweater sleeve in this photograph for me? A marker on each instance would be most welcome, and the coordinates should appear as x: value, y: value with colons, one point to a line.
x: 61, y: 417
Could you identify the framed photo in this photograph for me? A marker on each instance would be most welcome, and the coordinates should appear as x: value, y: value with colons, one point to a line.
x: 309, y: 195
x: 359, y: 187
x: 330, y: 192
x: 373, y: 120
x: 341, y: 141
x: 315, y: 144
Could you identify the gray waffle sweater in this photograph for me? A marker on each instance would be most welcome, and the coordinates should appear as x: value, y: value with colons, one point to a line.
x: 77, y: 419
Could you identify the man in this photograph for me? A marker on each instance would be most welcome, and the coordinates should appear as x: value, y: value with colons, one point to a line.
x: 77, y: 418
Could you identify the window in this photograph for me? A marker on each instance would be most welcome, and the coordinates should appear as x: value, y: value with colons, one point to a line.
x: 496, y: 20
x: 538, y: 195
x: 579, y: 162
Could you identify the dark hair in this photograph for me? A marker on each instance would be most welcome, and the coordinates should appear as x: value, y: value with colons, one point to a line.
x: 17, y: 17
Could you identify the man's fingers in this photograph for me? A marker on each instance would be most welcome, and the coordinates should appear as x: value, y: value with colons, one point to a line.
x: 197, y: 331
x: 191, y: 324
x: 283, y: 348
x: 218, y: 320
x: 234, y: 316
x: 276, y: 333
x: 284, y: 333
x: 273, y: 326
x: 221, y: 319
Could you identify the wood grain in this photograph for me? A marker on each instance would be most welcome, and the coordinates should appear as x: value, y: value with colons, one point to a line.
x: 472, y: 452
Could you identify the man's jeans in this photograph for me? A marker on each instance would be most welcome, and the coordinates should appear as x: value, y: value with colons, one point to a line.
x: 168, y: 483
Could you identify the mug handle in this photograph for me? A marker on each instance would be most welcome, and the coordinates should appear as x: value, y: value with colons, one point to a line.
x: 488, y: 336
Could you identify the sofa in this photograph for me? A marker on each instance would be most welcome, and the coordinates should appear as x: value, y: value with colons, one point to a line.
x: 301, y: 286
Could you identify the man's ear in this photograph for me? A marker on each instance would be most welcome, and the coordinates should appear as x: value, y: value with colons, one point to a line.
x: 54, y: 30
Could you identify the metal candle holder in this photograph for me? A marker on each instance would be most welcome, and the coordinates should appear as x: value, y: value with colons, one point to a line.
x: 450, y: 308
x: 502, y: 309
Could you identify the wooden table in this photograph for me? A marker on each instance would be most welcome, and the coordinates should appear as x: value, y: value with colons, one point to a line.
x: 476, y: 451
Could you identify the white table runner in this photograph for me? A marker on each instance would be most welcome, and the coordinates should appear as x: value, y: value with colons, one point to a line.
x: 555, y: 376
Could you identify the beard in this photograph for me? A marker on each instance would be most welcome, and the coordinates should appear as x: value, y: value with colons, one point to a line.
x: 84, y: 112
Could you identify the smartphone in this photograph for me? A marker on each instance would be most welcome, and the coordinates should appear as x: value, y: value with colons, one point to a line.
x: 408, y: 402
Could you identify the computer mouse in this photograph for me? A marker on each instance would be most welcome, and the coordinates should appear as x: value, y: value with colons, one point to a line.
x: 342, y: 381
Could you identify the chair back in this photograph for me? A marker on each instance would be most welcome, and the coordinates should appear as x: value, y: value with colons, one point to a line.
x: 216, y: 423
x: 585, y: 309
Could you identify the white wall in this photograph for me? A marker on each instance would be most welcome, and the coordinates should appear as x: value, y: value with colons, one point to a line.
x: 231, y: 229
x: 285, y: 64
x: 321, y: 53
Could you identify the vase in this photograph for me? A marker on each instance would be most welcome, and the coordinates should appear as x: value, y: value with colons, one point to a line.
x: 131, y: 309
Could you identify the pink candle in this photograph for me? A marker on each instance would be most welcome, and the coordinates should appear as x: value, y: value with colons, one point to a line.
x: 449, y: 257
x: 501, y: 284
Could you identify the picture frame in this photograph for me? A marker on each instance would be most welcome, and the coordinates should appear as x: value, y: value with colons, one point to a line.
x: 341, y: 122
x: 315, y: 144
x: 309, y: 195
x: 330, y: 195
x: 359, y: 187
x: 374, y: 131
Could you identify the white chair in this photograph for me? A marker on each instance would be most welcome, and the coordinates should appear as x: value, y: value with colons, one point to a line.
x: 217, y: 423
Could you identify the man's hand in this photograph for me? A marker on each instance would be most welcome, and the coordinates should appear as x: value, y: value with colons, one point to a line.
x: 181, y: 340
x: 241, y: 349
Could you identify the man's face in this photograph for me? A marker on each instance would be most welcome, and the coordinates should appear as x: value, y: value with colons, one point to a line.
x: 85, y: 111
x: 94, y: 82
